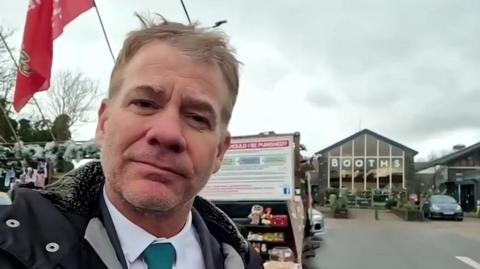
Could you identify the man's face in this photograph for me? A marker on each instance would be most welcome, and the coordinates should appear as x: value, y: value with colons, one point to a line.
x: 162, y: 134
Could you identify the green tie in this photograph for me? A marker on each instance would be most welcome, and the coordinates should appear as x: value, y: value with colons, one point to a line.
x: 160, y: 256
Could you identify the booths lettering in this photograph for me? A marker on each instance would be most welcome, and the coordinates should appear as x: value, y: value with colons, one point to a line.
x: 370, y: 162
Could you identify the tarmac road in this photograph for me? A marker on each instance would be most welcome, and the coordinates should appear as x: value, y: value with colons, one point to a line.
x: 391, y: 243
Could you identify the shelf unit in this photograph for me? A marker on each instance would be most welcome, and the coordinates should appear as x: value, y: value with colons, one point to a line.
x: 266, y: 227
x: 269, y: 242
x: 239, y: 211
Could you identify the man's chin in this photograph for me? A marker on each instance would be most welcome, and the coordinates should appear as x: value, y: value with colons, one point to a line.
x: 147, y: 199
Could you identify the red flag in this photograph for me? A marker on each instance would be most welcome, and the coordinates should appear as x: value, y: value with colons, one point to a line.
x: 45, y: 22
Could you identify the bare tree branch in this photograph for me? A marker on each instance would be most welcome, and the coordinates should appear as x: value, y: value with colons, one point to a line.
x: 7, y: 67
x: 72, y: 94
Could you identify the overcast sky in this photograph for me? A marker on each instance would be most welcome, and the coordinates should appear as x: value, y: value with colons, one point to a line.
x: 409, y: 70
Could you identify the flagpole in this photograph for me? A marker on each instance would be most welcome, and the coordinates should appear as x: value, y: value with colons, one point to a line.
x: 103, y: 30
x: 7, y: 119
x: 43, y: 118
x: 33, y: 97
x: 11, y: 56
x: 3, y: 139
x: 186, y: 12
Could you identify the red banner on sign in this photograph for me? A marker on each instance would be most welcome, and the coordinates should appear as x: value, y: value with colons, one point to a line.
x: 259, y: 145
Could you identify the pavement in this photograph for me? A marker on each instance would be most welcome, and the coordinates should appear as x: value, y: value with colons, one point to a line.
x: 390, y: 242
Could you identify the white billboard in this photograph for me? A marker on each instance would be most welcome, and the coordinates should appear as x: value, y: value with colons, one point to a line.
x: 254, y: 169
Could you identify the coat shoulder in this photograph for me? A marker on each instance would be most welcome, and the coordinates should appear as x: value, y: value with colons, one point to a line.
x: 32, y: 225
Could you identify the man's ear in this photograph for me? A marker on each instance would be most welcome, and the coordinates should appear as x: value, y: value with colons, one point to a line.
x: 222, y: 148
x: 102, y: 118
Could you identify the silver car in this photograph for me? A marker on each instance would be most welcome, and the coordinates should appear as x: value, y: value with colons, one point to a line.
x: 317, y: 223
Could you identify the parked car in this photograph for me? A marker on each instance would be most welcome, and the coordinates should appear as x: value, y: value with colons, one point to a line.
x: 317, y: 224
x: 442, y: 207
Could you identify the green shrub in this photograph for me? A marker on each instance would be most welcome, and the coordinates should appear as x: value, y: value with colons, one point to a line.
x: 363, y: 202
x: 410, y: 206
x: 402, y: 199
x: 332, y: 199
x: 380, y: 198
x: 341, y: 203
x: 331, y: 191
x: 391, y: 203
x: 364, y: 194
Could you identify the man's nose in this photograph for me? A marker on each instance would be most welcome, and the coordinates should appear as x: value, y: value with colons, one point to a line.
x: 166, y: 131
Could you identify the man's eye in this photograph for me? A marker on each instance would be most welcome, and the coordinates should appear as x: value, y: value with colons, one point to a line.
x: 143, y: 104
x: 199, y: 121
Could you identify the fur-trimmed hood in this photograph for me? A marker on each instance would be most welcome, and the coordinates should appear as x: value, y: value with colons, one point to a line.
x: 78, y: 192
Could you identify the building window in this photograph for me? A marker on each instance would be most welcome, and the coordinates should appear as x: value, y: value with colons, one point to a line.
x: 371, y: 173
x: 358, y: 173
x: 384, y: 149
x: 347, y: 149
x: 397, y: 152
x: 359, y: 146
x: 383, y: 171
x: 367, y: 163
x: 371, y: 146
x: 335, y: 152
x: 334, y: 174
x: 397, y: 174
x: 347, y: 172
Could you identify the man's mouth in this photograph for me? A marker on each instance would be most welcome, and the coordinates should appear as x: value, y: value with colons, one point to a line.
x: 163, y: 169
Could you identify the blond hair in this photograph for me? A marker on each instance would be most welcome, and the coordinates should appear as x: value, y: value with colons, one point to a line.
x: 205, y: 44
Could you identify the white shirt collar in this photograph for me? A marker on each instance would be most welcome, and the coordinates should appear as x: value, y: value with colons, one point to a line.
x: 134, y: 240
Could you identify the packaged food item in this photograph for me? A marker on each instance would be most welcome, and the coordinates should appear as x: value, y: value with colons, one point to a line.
x: 255, y: 214
x: 282, y: 254
x: 279, y: 221
x: 281, y: 265
x: 278, y: 237
x: 267, y: 216
x: 264, y: 248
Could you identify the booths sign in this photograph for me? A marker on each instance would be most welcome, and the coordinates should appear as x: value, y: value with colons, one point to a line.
x: 370, y: 162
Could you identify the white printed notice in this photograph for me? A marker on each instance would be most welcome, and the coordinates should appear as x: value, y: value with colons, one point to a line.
x: 254, y: 169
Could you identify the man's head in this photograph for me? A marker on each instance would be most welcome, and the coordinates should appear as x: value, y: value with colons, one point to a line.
x: 163, y: 129
x: 200, y: 44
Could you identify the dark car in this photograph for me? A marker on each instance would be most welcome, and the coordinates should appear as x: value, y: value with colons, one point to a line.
x: 442, y: 207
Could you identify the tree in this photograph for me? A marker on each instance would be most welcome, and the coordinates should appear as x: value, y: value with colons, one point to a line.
x: 70, y: 98
x: 5, y: 130
x: 71, y: 94
x: 25, y: 131
x: 32, y: 131
x: 42, y: 132
x: 7, y: 68
x: 7, y: 82
x: 60, y: 128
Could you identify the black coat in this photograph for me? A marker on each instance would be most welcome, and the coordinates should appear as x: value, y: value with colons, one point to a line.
x: 68, y: 226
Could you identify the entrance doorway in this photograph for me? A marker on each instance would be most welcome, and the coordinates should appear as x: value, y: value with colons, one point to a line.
x: 467, y: 197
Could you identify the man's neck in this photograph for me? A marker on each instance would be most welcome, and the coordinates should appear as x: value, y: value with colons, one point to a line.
x: 160, y: 224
